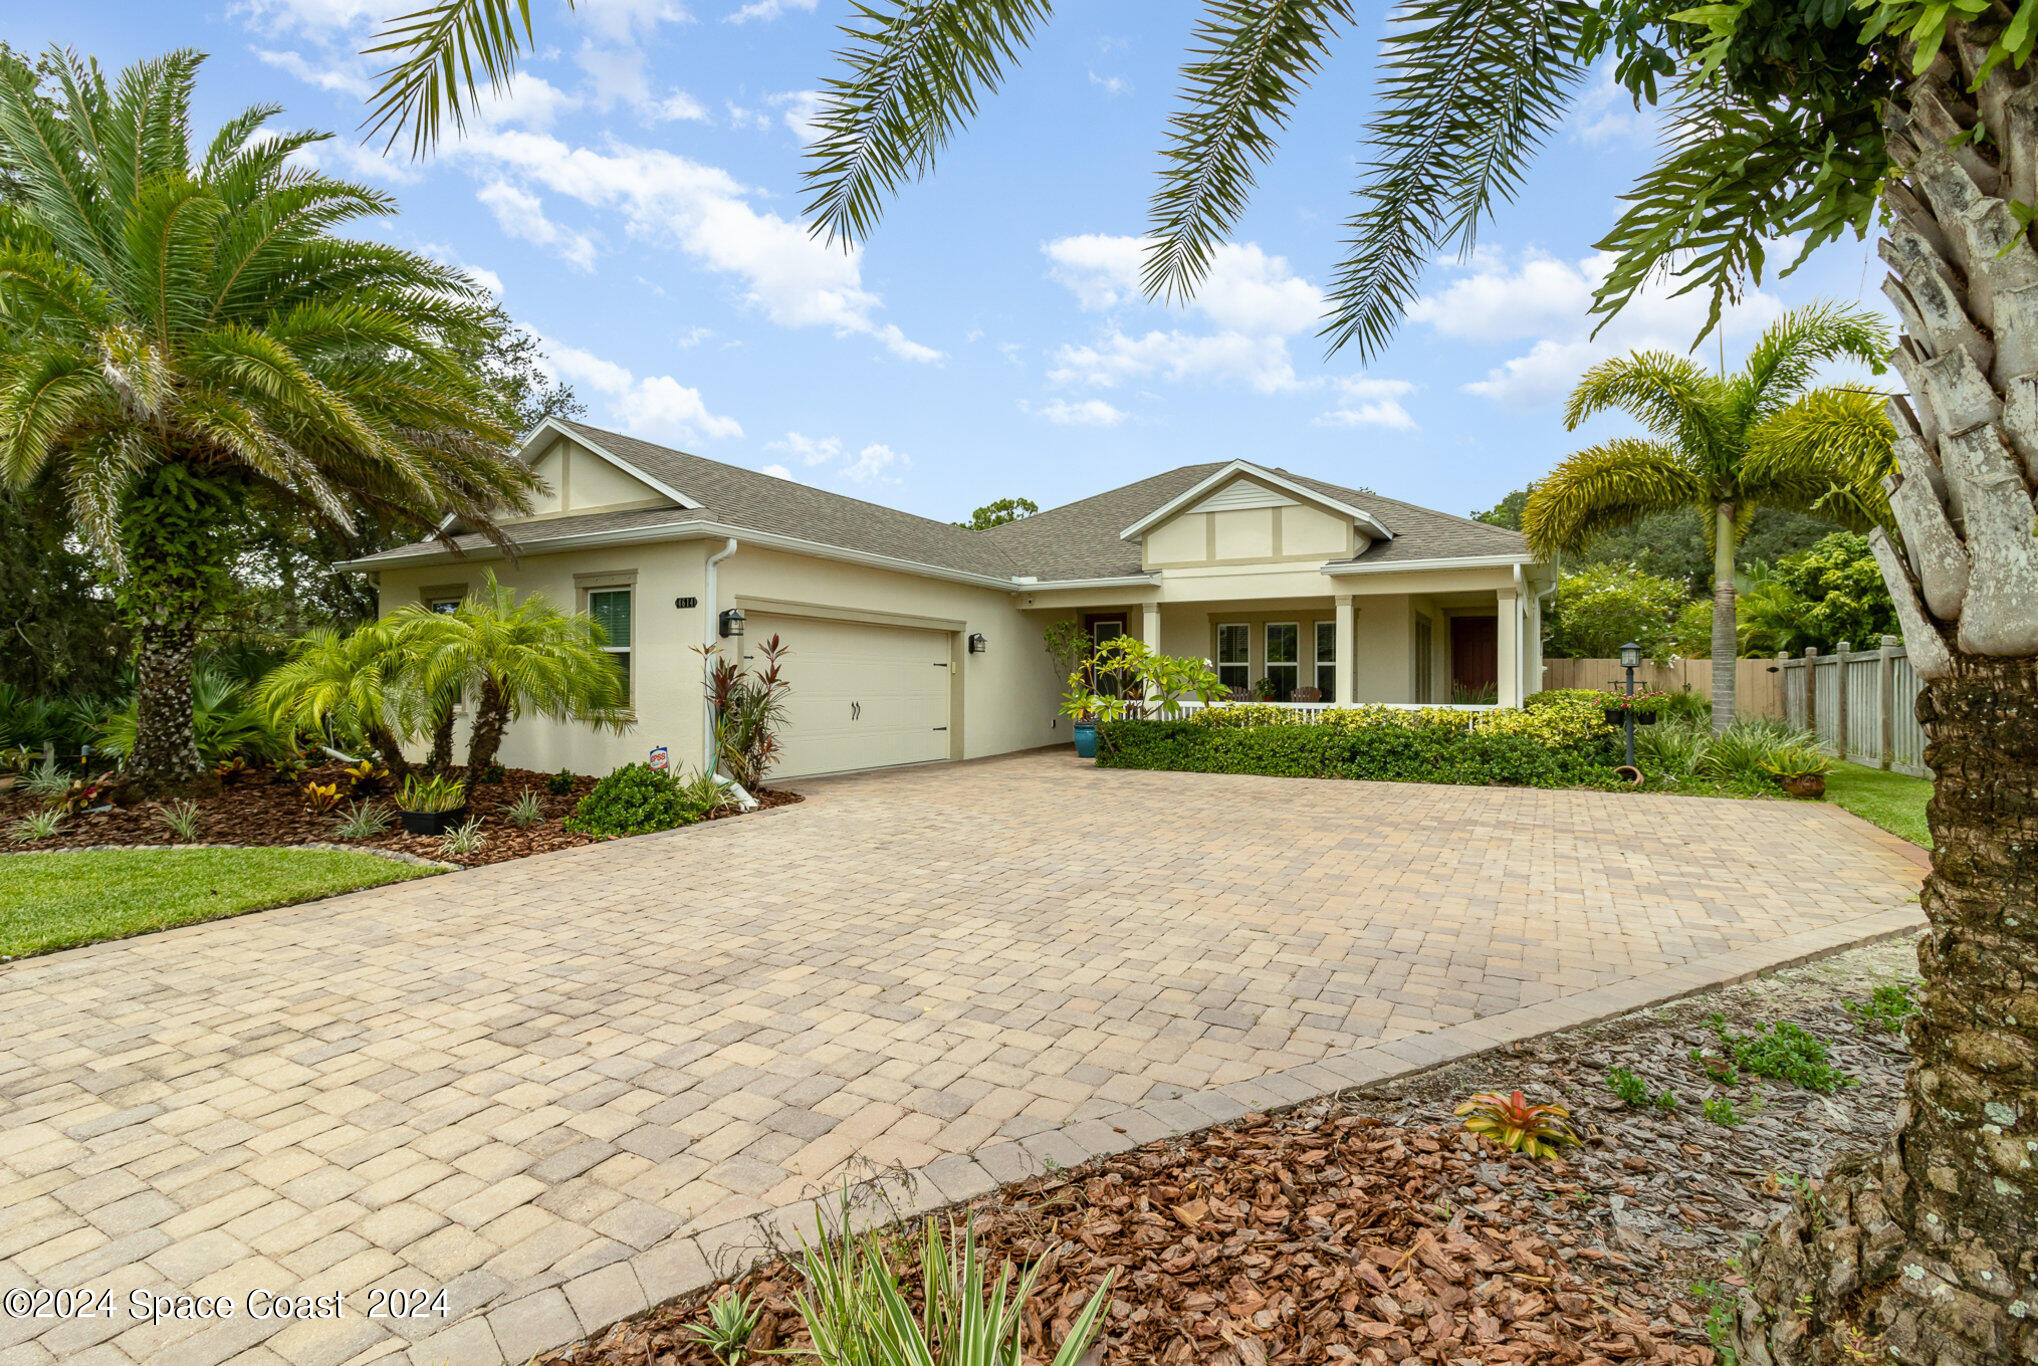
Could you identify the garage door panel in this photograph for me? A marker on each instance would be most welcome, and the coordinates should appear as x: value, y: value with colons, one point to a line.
x: 862, y: 696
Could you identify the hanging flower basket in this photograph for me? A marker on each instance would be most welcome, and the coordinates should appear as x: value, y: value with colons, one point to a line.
x: 1642, y: 706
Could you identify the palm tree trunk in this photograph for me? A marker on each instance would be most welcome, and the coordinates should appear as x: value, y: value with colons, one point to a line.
x: 390, y: 748
x: 1725, y: 641
x: 1927, y: 1253
x: 442, y: 742
x: 165, y: 752
x: 491, y: 719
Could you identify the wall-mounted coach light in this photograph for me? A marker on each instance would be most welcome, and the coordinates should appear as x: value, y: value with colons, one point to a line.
x: 732, y: 622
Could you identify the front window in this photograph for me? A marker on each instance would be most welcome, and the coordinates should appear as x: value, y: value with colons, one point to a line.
x: 1284, y: 658
x: 610, y: 607
x: 1234, y: 656
x: 443, y: 606
x: 1326, y: 659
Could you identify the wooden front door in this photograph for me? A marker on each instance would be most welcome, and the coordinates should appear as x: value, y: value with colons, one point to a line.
x: 1475, y: 655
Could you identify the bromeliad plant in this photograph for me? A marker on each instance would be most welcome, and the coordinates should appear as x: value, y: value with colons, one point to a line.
x: 431, y: 794
x: 1537, y: 1130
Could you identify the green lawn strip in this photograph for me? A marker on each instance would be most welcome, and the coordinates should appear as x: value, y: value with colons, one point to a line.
x: 1894, y: 801
x: 58, y: 901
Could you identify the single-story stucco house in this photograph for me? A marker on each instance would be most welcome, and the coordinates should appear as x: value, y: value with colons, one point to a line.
x: 913, y: 640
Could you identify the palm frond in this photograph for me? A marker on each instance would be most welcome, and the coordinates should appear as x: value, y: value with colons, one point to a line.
x: 1790, y: 351
x: 1604, y: 487
x: 916, y: 70
x: 1248, y: 64
x: 1469, y: 91
x: 434, y: 52
x: 1826, y: 454
x: 1673, y: 396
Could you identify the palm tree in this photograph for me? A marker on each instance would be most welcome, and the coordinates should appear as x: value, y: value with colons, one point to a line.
x: 504, y: 658
x: 1795, y: 120
x: 181, y: 333
x: 357, y: 678
x: 1725, y: 444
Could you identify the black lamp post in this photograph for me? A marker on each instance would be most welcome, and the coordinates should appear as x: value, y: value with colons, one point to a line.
x: 1630, y: 659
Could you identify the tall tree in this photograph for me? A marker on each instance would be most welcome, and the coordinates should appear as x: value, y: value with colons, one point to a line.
x: 1725, y: 444
x: 181, y: 335
x: 1790, y: 120
x: 1000, y: 512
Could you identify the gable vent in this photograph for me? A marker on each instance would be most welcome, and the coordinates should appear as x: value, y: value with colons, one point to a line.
x: 1244, y: 493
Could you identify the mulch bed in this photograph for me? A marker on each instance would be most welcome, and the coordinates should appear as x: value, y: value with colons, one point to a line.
x: 1369, y: 1228
x: 264, y: 809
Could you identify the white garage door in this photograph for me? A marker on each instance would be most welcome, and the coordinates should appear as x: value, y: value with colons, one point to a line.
x: 862, y: 696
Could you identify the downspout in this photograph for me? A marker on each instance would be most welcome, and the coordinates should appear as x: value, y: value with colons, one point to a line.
x: 711, y: 615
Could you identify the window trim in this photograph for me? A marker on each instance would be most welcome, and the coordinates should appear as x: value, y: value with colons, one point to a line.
x: 1245, y: 628
x: 626, y: 651
x: 1268, y: 663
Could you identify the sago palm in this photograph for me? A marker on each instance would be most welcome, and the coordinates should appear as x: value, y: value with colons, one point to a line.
x: 180, y: 328
x: 1790, y: 120
x: 505, y: 657
x: 1725, y: 444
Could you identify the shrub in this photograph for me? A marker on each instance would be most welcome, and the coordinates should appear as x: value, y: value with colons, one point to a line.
x: 1721, y: 1111
x: 560, y: 784
x: 637, y: 799
x: 443, y: 792
x: 1886, y: 1010
x: 37, y: 825
x: 1743, y: 750
x: 1786, y: 1052
x: 526, y: 811
x: 223, y: 723
x: 1355, y: 745
x: 46, y: 782
x: 1677, y: 748
x: 462, y: 840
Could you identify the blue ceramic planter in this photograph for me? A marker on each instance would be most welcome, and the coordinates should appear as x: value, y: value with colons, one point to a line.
x: 1086, y: 739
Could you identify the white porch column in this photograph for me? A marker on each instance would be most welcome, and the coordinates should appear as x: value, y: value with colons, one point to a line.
x: 1347, y: 634
x: 1150, y: 625
x: 1532, y: 653
x: 1507, y: 627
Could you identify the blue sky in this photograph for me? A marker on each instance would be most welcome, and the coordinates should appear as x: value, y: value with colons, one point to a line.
x: 636, y: 202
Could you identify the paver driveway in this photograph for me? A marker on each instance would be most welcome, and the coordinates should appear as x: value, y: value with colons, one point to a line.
x: 535, y: 1082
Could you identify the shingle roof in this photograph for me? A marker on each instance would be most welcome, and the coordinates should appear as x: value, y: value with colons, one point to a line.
x: 1078, y: 540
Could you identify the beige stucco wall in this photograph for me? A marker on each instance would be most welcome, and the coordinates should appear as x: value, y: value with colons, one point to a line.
x: 1006, y: 699
x: 1289, y: 530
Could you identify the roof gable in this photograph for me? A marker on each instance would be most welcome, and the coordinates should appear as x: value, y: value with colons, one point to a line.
x: 1262, y: 484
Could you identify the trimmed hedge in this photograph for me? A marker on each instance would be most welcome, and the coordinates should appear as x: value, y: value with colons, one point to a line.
x: 1390, y: 752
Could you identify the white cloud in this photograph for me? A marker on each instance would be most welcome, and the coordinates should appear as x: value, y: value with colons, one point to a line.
x: 344, y: 78
x: 795, y: 280
x: 768, y: 9
x: 1253, y: 301
x: 1089, y: 412
x: 1605, y: 115
x: 777, y: 471
x: 679, y: 106
x: 658, y: 405
x: 1111, y: 85
x: 1368, y: 402
x: 869, y: 465
x: 317, y: 16
x: 339, y: 157
x: 621, y: 20
x: 438, y: 251
x: 522, y: 214
x: 801, y: 110
x: 810, y: 451
x: 1550, y: 300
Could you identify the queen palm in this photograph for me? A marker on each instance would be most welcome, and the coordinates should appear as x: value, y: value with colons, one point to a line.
x: 1725, y: 444
x: 181, y: 330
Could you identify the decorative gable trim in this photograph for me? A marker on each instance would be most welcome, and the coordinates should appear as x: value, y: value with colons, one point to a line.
x: 551, y: 428
x: 1217, y: 481
x: 1241, y: 495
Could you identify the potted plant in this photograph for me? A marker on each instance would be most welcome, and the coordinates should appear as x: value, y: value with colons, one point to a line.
x: 1799, y: 770
x: 1642, y: 704
x: 1086, y: 707
x: 431, y: 806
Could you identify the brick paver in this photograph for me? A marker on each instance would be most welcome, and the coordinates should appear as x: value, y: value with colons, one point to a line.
x: 565, y: 1087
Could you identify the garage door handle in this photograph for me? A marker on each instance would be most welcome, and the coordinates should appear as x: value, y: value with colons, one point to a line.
x: 941, y: 728
x: 856, y: 711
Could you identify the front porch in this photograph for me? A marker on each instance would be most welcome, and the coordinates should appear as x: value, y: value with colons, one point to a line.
x: 1464, y: 647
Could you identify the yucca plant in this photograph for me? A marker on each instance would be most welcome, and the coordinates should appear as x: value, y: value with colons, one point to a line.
x: 857, y: 1314
x: 361, y: 821
x: 462, y: 840
x: 180, y: 818
x: 36, y: 825
x: 526, y: 811
x: 46, y: 782
x: 732, y: 1318
x: 1537, y: 1130
x: 181, y: 335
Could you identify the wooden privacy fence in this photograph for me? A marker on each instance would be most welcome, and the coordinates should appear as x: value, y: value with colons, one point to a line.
x: 1863, y: 704
x: 1758, y: 683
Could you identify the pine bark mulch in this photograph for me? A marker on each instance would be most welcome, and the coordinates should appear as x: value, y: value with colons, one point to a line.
x: 1282, y: 1241
x: 260, y: 808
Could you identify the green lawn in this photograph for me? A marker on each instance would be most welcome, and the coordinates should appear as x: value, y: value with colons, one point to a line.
x: 57, y: 901
x: 1891, y: 800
